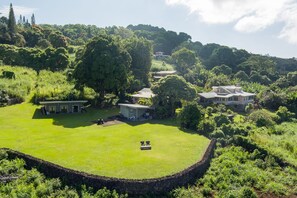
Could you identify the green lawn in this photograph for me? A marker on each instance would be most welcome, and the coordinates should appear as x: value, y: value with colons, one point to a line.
x: 73, y: 141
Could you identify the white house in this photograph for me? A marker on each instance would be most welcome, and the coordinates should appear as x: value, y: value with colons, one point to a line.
x: 228, y: 95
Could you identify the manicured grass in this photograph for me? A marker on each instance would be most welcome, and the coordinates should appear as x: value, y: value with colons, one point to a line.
x: 75, y: 142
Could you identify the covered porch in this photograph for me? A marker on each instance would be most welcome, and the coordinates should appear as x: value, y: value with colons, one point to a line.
x: 62, y: 106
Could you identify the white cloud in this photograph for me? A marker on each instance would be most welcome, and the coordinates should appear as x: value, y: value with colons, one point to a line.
x: 289, y: 32
x: 18, y: 10
x: 247, y: 15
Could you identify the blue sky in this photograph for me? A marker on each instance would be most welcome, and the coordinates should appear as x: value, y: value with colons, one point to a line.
x: 259, y: 26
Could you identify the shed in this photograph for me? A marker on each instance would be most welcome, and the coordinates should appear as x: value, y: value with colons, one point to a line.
x: 74, y: 106
x: 135, y: 111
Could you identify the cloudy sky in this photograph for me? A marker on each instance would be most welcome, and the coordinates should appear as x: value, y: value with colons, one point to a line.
x: 259, y: 26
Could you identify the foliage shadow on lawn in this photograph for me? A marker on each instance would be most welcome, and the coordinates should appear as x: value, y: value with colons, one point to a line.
x: 74, y: 120
x: 166, y: 122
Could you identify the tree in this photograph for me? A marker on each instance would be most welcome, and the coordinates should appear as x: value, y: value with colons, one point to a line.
x: 223, y: 69
x: 103, y: 66
x: 184, y: 59
x: 262, y: 118
x: 11, y: 21
x: 241, y: 75
x: 221, y: 55
x: 33, y: 20
x: 57, y: 59
x: 216, y: 80
x: 140, y: 51
x: 57, y: 39
x: 170, y: 91
x: 272, y: 100
x: 43, y: 44
x: 190, y: 116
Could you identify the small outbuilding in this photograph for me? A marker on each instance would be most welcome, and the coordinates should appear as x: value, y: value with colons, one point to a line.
x: 75, y: 106
x: 135, y: 111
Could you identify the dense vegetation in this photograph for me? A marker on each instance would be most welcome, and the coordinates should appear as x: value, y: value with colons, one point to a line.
x: 14, y: 88
x: 235, y: 172
x: 16, y: 181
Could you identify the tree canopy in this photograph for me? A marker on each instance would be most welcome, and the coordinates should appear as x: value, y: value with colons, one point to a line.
x: 170, y: 91
x: 140, y: 50
x: 103, y: 66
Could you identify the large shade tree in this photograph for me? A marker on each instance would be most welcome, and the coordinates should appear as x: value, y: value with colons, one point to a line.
x: 104, y: 66
x: 140, y: 50
x: 170, y: 91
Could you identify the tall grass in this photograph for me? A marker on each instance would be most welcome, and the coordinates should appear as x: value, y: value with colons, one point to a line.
x: 21, y: 86
x: 56, y: 86
x: 158, y: 65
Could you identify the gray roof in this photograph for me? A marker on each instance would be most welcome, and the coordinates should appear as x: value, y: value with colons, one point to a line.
x: 209, y: 95
x: 62, y: 102
x: 135, y: 106
x: 144, y: 93
x: 165, y: 72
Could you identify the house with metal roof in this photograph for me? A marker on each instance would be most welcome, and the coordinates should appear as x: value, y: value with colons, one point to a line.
x: 145, y: 93
x: 74, y: 106
x: 228, y: 95
x: 136, y: 111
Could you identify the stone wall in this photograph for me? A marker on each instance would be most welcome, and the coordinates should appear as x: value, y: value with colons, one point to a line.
x: 130, y: 186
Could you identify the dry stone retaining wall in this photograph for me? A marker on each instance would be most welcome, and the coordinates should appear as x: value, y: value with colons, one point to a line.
x: 130, y: 186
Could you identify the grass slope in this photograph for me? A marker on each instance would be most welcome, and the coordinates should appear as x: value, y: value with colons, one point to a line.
x: 282, y: 143
x: 73, y: 141
x: 157, y: 65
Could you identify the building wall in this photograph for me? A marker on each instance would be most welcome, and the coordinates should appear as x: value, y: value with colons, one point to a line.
x: 59, y: 107
x: 128, y: 112
x: 124, y: 111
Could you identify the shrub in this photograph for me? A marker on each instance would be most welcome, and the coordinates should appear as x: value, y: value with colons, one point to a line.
x: 262, y: 118
x: 206, y: 126
x: 190, y: 116
x: 247, y: 192
x: 284, y: 114
x: 218, y: 133
x: 221, y: 119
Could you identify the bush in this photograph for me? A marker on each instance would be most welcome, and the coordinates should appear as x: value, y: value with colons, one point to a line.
x: 190, y: 116
x: 262, y: 118
x: 206, y: 126
x: 221, y: 119
x: 218, y: 133
x: 247, y: 192
x: 284, y: 114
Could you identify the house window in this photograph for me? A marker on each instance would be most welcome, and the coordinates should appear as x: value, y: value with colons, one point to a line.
x: 64, y: 108
x: 235, y: 98
x: 52, y: 109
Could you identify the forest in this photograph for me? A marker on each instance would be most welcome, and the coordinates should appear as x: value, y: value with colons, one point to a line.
x: 256, y: 150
